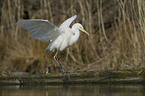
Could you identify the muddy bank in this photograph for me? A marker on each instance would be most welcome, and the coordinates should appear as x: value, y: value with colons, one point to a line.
x: 132, y: 76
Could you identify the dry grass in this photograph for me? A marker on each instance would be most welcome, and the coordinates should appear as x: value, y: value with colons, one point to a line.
x: 117, y: 38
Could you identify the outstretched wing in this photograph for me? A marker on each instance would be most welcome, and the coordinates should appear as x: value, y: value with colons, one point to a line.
x: 41, y: 29
x: 67, y: 22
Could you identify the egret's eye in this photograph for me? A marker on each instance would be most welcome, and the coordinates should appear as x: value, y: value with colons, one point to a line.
x: 80, y: 28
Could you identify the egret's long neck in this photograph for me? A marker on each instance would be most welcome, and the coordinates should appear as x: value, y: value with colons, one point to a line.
x: 75, y: 36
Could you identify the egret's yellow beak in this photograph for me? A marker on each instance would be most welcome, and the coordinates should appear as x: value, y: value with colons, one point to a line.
x: 85, y: 32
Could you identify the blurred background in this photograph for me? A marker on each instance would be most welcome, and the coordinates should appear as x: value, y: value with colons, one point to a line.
x: 117, y: 41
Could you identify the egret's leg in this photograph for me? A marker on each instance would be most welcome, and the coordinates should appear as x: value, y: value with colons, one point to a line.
x: 56, y: 59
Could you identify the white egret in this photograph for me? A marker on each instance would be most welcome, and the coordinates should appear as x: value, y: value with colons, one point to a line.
x: 60, y: 38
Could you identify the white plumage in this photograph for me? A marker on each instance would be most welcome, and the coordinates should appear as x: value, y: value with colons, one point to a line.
x: 60, y: 38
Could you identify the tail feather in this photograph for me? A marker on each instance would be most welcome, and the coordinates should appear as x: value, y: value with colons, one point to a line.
x: 49, y: 46
x: 47, y: 49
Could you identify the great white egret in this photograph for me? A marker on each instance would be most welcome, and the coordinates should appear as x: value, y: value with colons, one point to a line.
x: 60, y: 38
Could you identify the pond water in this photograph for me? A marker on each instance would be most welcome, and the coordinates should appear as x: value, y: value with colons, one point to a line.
x: 74, y: 90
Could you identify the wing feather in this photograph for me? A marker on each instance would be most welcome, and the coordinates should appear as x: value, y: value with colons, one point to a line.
x: 67, y: 22
x: 41, y: 29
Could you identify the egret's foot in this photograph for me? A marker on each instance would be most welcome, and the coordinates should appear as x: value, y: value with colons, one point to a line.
x: 62, y: 71
x: 65, y: 76
x: 65, y: 72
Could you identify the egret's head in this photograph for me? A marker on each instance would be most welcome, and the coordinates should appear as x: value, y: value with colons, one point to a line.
x: 80, y: 27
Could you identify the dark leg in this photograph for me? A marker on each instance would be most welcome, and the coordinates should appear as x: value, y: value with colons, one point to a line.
x: 56, y: 59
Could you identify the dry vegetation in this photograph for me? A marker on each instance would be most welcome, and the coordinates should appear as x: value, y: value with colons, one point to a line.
x: 117, y: 40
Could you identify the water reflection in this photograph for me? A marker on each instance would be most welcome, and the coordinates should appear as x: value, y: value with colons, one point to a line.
x: 74, y: 90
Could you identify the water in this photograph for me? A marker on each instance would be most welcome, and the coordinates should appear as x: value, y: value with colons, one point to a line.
x: 74, y: 90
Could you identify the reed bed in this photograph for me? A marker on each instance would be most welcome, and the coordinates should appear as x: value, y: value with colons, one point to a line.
x: 117, y: 40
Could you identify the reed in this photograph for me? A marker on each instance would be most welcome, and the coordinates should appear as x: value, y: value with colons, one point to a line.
x: 117, y: 40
